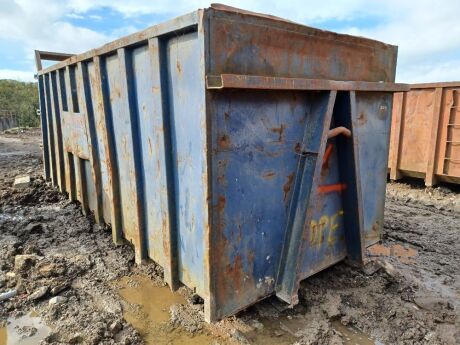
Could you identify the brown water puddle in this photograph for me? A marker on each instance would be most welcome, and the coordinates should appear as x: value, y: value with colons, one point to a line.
x: 147, y: 310
x: 352, y: 336
x: 25, y: 330
x: 403, y: 254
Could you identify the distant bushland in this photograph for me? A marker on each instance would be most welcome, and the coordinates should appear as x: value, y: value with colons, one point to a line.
x: 21, y: 98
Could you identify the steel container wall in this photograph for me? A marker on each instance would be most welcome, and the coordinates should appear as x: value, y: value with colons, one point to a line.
x: 241, y: 152
x: 425, y: 133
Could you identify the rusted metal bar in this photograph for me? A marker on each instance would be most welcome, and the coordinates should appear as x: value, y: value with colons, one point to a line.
x: 135, y: 159
x: 167, y: 245
x: 397, y: 118
x: 87, y: 111
x: 339, y: 131
x: 235, y: 81
x: 106, y: 129
x: 50, y: 56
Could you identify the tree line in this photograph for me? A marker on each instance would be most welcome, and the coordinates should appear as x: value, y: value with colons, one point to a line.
x: 20, y: 98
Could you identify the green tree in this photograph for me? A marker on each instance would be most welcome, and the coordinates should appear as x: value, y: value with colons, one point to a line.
x: 22, y: 99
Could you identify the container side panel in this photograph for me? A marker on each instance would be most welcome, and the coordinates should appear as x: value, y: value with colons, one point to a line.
x: 44, y: 127
x: 89, y: 185
x: 50, y: 128
x: 58, y: 132
x: 149, y: 109
x: 325, y: 244
x: 123, y: 140
x: 99, y: 123
x: 372, y: 129
x: 289, y: 50
x: 92, y: 176
x: 256, y: 148
x: 74, y: 124
x: 415, y: 130
x: 186, y: 87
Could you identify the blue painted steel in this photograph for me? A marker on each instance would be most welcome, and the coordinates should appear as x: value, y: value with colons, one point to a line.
x: 186, y: 98
x: 238, y: 194
x: 372, y: 127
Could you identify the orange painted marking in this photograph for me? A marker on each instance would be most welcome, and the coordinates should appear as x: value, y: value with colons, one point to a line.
x: 327, y: 153
x: 330, y: 188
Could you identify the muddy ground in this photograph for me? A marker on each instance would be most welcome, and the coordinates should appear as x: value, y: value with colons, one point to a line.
x: 75, y: 286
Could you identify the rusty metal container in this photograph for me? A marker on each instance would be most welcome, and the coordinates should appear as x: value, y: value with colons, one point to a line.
x: 425, y: 133
x: 241, y: 152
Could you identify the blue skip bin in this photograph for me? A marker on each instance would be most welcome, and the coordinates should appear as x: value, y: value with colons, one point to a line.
x: 241, y: 152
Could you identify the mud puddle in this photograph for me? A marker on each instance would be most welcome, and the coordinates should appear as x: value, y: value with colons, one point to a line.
x: 353, y: 336
x: 25, y: 330
x: 147, y: 307
x: 289, y: 329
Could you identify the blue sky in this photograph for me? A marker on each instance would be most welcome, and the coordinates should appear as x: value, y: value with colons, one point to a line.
x: 427, y: 32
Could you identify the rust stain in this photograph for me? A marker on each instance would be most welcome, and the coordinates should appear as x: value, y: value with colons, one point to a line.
x: 234, y: 274
x: 297, y: 148
x: 224, y: 142
x: 221, y: 169
x: 268, y: 175
x: 280, y: 131
x: 288, y: 185
x: 165, y: 237
x: 179, y: 67
x: 150, y: 147
x: 362, y: 118
x: 221, y: 204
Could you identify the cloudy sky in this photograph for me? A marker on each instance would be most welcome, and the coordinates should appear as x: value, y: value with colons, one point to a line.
x: 427, y: 32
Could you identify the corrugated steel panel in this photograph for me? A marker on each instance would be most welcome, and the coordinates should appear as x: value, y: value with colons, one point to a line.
x: 425, y: 138
x: 241, y: 152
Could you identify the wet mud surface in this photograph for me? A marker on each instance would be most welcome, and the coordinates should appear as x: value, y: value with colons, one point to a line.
x: 74, y: 286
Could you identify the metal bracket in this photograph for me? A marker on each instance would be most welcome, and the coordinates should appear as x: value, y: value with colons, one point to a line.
x: 50, y: 56
x: 241, y: 81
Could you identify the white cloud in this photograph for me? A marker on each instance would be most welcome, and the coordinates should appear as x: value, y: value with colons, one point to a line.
x: 426, y: 32
x: 95, y: 17
x: 74, y: 16
x: 17, y: 75
x: 430, y: 72
x: 41, y: 25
